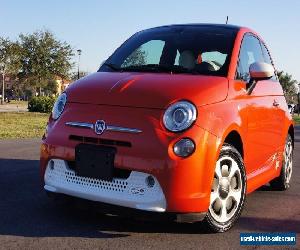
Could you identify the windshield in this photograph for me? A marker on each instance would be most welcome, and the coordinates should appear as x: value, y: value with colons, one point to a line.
x: 175, y: 49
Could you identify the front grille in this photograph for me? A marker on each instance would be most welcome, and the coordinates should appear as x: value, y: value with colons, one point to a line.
x: 118, y: 172
x: 99, y: 141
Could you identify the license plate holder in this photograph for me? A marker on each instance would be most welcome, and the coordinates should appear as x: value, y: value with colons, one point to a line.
x: 95, y: 161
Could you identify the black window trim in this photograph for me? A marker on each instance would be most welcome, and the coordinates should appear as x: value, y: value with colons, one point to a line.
x: 262, y: 43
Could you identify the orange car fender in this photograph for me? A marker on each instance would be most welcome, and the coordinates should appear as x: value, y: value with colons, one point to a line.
x: 222, y: 118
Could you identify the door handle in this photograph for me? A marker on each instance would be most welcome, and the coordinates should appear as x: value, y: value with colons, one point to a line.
x: 275, y: 103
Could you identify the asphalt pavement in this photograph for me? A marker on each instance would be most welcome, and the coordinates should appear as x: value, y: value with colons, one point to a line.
x: 29, y: 220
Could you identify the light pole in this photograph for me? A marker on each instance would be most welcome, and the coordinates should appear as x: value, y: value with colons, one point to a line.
x: 3, y: 85
x: 79, y: 54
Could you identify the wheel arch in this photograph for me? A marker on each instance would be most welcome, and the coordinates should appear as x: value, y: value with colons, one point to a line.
x: 235, y: 139
x: 234, y: 135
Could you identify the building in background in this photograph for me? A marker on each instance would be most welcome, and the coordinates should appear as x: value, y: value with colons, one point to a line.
x: 14, y: 89
x: 62, y: 84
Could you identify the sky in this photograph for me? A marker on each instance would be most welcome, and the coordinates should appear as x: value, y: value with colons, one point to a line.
x: 99, y: 27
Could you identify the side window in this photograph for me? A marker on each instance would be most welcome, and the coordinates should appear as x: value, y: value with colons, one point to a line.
x: 267, y: 58
x: 177, y: 58
x: 250, y: 52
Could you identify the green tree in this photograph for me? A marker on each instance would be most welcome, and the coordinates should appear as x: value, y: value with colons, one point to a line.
x: 43, y: 57
x: 9, y: 56
x: 9, y: 60
x: 51, y: 88
x: 289, y: 86
x: 138, y: 57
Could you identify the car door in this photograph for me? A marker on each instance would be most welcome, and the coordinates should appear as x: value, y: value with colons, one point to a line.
x: 279, y: 105
x: 260, y: 140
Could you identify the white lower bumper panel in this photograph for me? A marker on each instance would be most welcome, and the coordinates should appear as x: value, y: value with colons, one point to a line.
x: 132, y: 192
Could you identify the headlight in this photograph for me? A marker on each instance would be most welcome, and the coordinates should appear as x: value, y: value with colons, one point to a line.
x: 180, y: 116
x: 59, y: 106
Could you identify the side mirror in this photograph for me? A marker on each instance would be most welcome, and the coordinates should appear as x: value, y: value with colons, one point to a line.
x: 261, y: 71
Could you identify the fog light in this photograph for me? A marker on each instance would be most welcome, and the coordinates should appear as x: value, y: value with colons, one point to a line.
x: 184, y: 147
x: 51, y: 164
x: 150, y: 181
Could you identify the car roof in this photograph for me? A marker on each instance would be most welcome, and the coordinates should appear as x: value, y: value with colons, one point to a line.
x: 203, y: 25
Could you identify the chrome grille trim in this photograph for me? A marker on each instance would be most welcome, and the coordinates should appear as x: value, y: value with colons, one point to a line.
x: 80, y: 124
x: 108, y: 127
x: 121, y: 129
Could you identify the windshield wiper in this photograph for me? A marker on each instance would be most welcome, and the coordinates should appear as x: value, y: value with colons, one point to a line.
x: 172, y: 69
x: 112, y: 66
x: 156, y: 68
x: 145, y: 68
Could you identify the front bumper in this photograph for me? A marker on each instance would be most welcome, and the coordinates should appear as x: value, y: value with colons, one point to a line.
x: 185, y: 183
x: 132, y: 192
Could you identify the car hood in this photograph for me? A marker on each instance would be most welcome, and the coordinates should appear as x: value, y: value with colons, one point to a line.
x: 147, y: 90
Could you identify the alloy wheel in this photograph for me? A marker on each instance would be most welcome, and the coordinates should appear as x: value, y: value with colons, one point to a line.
x: 226, y: 189
x: 288, y: 156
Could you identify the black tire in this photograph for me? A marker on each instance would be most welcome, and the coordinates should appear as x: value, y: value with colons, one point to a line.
x: 210, y: 221
x: 282, y: 182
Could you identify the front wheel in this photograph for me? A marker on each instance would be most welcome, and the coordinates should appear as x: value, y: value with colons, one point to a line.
x: 228, y: 190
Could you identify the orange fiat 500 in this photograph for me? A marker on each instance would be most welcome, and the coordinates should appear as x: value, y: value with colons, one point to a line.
x: 180, y: 119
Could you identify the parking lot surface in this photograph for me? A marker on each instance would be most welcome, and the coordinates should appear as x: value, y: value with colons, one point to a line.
x: 28, y: 219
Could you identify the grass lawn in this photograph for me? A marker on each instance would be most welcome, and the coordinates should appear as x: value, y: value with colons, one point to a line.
x: 297, y: 119
x: 22, y: 125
